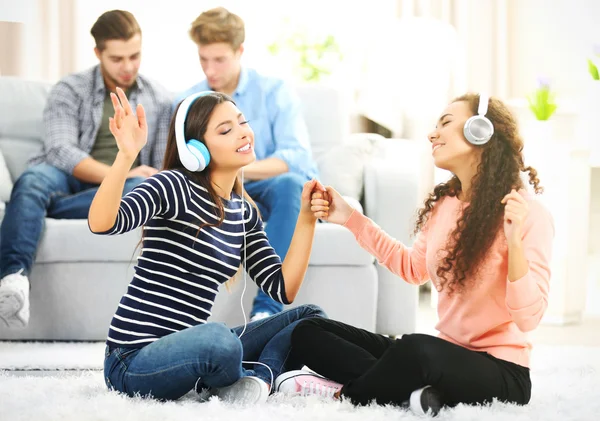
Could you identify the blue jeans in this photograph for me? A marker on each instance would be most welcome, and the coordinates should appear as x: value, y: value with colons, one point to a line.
x: 278, y: 200
x: 208, y: 356
x: 42, y: 190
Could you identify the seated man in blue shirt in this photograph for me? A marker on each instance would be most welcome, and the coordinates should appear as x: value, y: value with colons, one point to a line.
x: 283, y: 155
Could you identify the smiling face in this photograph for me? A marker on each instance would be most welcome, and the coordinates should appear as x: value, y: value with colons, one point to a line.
x: 450, y: 149
x: 229, y: 138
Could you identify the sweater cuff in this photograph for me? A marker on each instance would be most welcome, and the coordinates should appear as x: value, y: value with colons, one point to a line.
x: 522, y: 293
x: 356, y: 223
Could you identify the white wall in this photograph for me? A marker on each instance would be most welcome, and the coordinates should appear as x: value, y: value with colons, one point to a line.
x: 554, y: 38
x: 170, y: 56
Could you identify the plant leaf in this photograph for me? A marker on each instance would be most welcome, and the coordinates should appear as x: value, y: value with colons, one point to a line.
x: 593, y: 70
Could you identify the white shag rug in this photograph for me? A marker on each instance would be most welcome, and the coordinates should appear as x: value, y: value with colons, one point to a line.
x: 566, y: 386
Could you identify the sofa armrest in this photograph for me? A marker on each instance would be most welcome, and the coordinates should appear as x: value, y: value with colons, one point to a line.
x: 397, y: 181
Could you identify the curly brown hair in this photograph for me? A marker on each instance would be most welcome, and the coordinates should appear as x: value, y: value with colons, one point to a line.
x: 498, y: 172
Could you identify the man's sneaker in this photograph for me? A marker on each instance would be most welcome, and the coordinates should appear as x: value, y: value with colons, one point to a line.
x: 304, y: 383
x: 247, y: 390
x: 426, y: 400
x: 260, y: 316
x: 14, y: 300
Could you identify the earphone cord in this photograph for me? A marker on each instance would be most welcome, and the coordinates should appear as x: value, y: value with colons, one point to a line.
x: 244, y: 290
x: 244, y: 245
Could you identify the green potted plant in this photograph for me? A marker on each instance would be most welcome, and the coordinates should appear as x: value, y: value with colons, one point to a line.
x: 541, y: 101
x: 590, y: 110
x: 592, y: 64
x: 312, y: 57
x: 543, y: 106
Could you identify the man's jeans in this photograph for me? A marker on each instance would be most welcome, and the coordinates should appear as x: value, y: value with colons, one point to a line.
x: 278, y: 200
x: 206, y: 356
x: 42, y: 190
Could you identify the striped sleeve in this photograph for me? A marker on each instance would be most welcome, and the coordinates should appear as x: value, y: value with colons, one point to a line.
x: 263, y: 264
x: 159, y: 195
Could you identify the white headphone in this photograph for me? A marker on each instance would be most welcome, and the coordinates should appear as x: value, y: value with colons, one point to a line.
x: 194, y: 155
x: 479, y: 129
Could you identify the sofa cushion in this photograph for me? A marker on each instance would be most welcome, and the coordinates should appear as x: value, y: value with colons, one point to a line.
x: 342, y: 167
x: 17, y: 153
x: 336, y: 245
x: 70, y: 240
x: 21, y: 113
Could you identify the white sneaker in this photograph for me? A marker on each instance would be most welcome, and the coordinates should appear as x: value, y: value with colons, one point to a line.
x: 14, y: 300
x: 260, y: 316
x: 425, y: 401
x: 305, y: 383
x: 246, y: 391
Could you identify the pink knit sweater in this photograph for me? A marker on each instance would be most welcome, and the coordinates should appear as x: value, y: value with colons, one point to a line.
x: 493, y: 314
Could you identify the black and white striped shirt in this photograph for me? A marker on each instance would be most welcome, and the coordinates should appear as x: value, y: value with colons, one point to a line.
x: 180, y: 267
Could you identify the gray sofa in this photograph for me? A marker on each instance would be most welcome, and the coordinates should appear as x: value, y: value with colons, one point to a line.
x: 78, y: 277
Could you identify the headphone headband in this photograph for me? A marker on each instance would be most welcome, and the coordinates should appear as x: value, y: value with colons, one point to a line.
x: 190, y: 159
x: 182, y: 112
x: 484, y: 99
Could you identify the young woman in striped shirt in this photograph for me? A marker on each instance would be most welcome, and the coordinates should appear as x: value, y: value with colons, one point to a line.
x: 197, y: 231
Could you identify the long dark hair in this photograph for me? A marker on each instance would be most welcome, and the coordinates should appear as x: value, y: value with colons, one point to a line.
x: 498, y: 172
x: 196, y: 123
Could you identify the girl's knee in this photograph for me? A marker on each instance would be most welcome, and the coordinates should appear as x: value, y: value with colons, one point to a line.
x: 312, y: 310
x: 221, y: 341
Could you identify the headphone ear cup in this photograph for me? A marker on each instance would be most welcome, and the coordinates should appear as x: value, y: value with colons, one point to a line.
x: 478, y: 130
x: 200, y: 151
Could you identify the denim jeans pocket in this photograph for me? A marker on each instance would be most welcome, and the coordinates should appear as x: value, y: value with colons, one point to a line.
x: 115, y: 366
x: 124, y: 355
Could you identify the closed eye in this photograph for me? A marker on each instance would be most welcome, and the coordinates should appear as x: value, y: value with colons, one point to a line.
x: 445, y: 122
x: 228, y: 130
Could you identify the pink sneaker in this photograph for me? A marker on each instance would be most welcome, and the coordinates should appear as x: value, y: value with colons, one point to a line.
x: 304, y: 383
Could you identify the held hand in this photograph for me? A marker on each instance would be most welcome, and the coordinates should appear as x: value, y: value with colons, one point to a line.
x: 310, y: 187
x: 331, y: 206
x: 144, y: 171
x: 515, y: 213
x: 130, y: 132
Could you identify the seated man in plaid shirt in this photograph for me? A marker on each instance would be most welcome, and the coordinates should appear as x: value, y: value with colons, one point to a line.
x: 78, y: 151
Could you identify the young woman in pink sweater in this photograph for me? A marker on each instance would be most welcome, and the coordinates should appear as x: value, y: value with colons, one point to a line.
x: 484, y: 242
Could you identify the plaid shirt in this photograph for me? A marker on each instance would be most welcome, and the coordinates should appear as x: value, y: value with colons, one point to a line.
x: 73, y: 114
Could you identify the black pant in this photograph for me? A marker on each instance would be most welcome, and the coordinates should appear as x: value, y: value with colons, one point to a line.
x: 372, y: 366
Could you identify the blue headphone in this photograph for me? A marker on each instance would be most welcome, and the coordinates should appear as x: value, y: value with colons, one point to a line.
x: 479, y: 129
x: 193, y: 154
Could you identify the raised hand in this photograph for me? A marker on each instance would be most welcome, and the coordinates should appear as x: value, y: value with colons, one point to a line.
x: 130, y: 131
x: 515, y: 213
x: 330, y: 206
